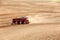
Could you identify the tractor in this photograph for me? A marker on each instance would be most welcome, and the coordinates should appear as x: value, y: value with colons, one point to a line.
x: 21, y: 20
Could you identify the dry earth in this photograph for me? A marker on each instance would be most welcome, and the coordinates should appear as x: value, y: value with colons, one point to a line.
x: 44, y: 20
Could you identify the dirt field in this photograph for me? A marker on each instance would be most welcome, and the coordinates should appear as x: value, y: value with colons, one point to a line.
x: 44, y: 20
x: 31, y: 32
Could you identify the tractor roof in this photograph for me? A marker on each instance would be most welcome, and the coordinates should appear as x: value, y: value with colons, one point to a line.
x: 24, y: 17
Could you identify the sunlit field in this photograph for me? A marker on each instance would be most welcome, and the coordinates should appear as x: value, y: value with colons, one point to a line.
x: 44, y: 20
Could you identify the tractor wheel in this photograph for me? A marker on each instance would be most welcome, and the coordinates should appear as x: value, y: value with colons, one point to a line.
x: 26, y: 21
x: 18, y: 22
x: 13, y: 22
x: 22, y: 22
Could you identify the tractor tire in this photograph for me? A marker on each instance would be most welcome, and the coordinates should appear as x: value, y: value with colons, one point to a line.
x: 26, y: 21
x: 13, y: 22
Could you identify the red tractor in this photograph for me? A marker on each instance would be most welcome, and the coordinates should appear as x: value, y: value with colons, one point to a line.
x: 22, y: 20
